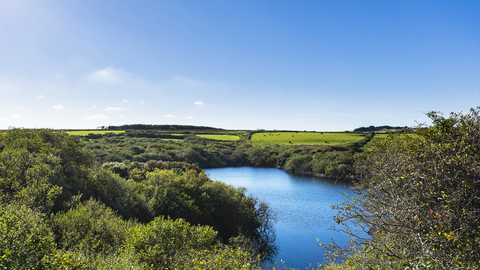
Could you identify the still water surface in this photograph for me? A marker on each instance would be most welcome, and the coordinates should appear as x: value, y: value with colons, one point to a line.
x: 303, y: 206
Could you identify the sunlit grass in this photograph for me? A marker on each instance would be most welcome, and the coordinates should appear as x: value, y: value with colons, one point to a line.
x: 220, y: 137
x: 306, y: 138
x: 376, y: 139
x: 86, y: 132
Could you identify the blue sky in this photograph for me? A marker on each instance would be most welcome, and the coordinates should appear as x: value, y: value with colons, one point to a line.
x: 296, y: 65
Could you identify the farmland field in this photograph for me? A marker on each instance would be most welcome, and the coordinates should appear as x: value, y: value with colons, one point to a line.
x: 220, y: 137
x: 86, y: 132
x: 377, y: 138
x: 380, y: 137
x: 306, y: 138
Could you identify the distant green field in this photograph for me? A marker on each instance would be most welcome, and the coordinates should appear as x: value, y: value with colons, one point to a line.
x: 380, y: 137
x: 86, y: 132
x: 306, y: 138
x: 377, y: 138
x: 220, y: 137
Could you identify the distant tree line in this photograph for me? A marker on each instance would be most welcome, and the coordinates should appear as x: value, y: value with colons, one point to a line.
x: 378, y: 128
x: 141, y: 146
x: 160, y: 127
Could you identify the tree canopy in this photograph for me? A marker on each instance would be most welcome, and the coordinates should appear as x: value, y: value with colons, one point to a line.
x: 60, y: 210
x: 418, y: 198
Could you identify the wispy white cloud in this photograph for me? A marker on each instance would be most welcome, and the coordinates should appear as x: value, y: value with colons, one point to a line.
x: 109, y: 75
x: 3, y: 119
x: 121, y: 116
x: 170, y: 116
x: 188, y: 82
x: 40, y: 96
x: 113, y: 109
x: 17, y: 115
x: 116, y: 109
x: 198, y: 103
x: 189, y: 117
x: 97, y: 116
x: 125, y: 100
x: 58, y: 107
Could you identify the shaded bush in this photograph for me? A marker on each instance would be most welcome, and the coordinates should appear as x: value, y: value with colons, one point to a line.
x: 299, y: 163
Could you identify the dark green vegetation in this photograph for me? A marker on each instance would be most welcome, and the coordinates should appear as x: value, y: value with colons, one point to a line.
x: 418, y: 199
x: 60, y: 210
x: 380, y: 129
x: 138, y: 200
x: 136, y: 147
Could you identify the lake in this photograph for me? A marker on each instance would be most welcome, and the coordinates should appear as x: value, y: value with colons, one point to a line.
x: 303, y: 205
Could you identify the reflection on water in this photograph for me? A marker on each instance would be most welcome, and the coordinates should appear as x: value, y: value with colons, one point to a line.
x: 303, y: 206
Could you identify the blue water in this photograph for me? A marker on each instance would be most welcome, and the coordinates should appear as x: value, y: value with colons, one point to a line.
x: 303, y: 206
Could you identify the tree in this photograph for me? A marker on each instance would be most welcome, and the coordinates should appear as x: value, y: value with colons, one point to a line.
x: 90, y: 227
x: 42, y: 168
x: 25, y: 238
x: 418, y: 198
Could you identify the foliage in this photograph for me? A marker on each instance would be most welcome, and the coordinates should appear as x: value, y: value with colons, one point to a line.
x: 375, y: 140
x: 117, y: 193
x: 126, y: 259
x: 159, y: 242
x: 333, y: 163
x: 25, y: 238
x: 90, y: 227
x: 192, y: 196
x: 419, y: 199
x: 141, y: 146
x: 220, y: 258
x: 160, y: 127
x: 73, y: 214
x: 301, y: 163
x: 42, y: 168
x: 379, y: 128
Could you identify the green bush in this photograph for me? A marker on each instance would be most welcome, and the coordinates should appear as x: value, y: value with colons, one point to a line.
x: 90, y: 227
x: 25, y: 238
x: 419, y: 199
x: 42, y: 168
x: 161, y: 241
x: 299, y: 163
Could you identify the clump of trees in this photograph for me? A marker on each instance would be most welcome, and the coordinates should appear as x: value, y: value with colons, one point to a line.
x: 418, y: 200
x: 378, y: 128
x: 138, y: 147
x: 60, y: 210
x: 161, y: 127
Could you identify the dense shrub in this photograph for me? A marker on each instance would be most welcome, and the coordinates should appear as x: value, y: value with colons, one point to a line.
x: 25, y: 239
x: 42, y: 168
x: 419, y: 199
x: 299, y: 163
x: 90, y: 227
x: 161, y: 241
